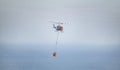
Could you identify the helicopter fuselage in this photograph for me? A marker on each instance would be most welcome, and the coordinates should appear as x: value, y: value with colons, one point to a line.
x: 59, y: 28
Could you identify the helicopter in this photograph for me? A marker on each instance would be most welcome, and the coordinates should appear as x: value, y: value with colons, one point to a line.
x: 58, y: 26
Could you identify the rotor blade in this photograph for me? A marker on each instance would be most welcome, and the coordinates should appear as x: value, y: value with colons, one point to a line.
x: 56, y: 22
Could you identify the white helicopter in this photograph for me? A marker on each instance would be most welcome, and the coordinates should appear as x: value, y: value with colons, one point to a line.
x: 58, y: 26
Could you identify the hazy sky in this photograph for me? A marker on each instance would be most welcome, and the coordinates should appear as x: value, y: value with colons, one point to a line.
x: 95, y: 22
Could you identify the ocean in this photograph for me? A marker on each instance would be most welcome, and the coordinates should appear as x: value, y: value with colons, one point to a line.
x: 31, y: 57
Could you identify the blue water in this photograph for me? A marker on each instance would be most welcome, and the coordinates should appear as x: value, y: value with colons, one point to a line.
x: 17, y: 58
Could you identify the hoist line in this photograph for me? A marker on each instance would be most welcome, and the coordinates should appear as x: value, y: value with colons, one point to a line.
x: 57, y: 39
